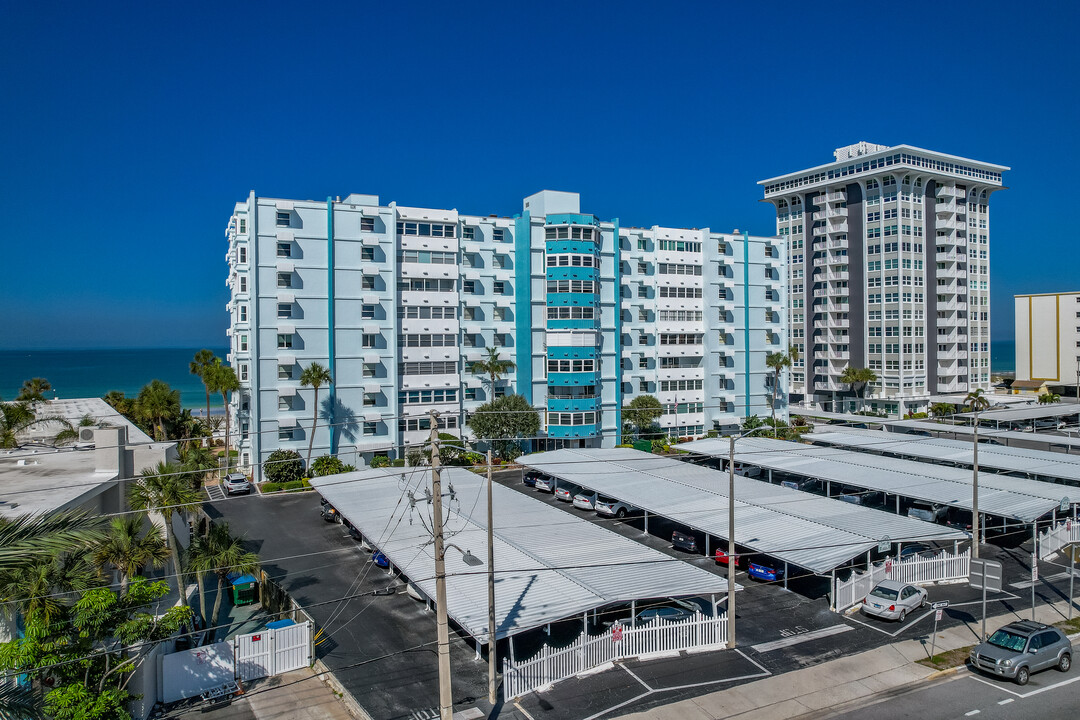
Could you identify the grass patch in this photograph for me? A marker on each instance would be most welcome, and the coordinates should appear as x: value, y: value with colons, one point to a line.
x: 947, y: 659
x: 1069, y: 626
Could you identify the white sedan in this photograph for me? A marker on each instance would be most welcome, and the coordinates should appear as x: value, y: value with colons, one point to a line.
x: 585, y: 500
x: 893, y: 600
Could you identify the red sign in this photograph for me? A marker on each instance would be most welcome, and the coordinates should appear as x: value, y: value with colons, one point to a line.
x: 256, y: 638
x: 616, y: 633
x: 888, y: 565
x: 937, y: 615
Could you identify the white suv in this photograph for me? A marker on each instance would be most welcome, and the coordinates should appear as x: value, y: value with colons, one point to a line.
x: 612, y: 507
x: 236, y: 483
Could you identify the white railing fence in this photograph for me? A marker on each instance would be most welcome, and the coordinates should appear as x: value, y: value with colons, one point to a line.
x: 915, y: 570
x: 1052, y: 539
x: 272, y: 651
x: 620, y: 642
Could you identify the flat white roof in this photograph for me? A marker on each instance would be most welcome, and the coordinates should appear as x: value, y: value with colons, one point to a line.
x: 1041, y: 463
x: 549, y: 564
x: 1031, y: 412
x: 803, y: 529
x: 998, y: 495
x: 839, y: 417
x: 1005, y: 436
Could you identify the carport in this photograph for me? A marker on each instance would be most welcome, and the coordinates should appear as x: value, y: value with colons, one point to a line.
x: 1023, y: 415
x: 549, y: 565
x: 795, y: 527
x: 1032, y: 464
x: 1005, y: 437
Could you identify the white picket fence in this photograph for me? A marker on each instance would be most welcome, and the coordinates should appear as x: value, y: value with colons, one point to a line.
x: 272, y: 651
x: 915, y: 570
x: 1051, y: 540
x: 620, y: 642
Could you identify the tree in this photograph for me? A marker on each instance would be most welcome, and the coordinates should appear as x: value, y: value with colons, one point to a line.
x: 165, y: 490
x: 156, y: 402
x: 641, y: 412
x: 283, y: 466
x: 776, y: 362
x: 493, y: 366
x: 314, y: 376
x: 452, y: 450
x: 89, y: 656
x: 223, y: 380
x: 28, y: 538
x: 42, y: 589
x: 329, y: 465
x: 752, y: 422
x: 221, y: 553
x: 121, y: 404
x: 975, y: 401
x: 793, y: 354
x: 1049, y: 398
x: 129, y: 546
x: 941, y: 409
x: 34, y: 389
x: 200, y: 366
x: 858, y: 379
x: 505, y: 422
x: 19, y: 416
x: 196, y: 461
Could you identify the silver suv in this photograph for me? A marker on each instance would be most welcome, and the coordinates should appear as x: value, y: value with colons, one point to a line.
x: 1021, y: 648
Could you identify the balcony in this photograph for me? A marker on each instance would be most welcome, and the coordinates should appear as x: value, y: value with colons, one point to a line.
x: 950, y: 256
x: 826, y: 385
x: 951, y: 192
x: 821, y: 261
x: 838, y: 243
x: 831, y: 213
x: 837, y: 275
x: 835, y: 196
x: 839, y: 354
x: 947, y: 208
x: 837, y: 322
x: 821, y: 293
x: 819, y: 245
x: 947, y: 225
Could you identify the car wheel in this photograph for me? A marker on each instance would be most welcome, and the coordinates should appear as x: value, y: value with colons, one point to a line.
x: 922, y: 602
x: 1064, y: 662
x: 621, y: 514
x: 903, y: 614
x: 1022, y: 676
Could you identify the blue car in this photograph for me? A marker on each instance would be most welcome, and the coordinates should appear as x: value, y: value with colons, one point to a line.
x: 764, y: 572
x: 529, y: 478
x: 379, y: 559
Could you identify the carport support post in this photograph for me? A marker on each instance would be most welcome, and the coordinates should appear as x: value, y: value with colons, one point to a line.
x: 492, y: 645
x: 975, y: 539
x: 446, y: 697
x: 1034, y: 562
x: 1072, y: 576
x: 785, y: 574
x: 646, y: 522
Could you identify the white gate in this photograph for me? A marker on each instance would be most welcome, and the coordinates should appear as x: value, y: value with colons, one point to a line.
x: 550, y: 666
x: 272, y: 651
x: 1051, y: 540
x: 915, y: 570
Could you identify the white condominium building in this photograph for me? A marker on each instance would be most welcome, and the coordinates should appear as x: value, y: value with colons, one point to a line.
x: 398, y: 302
x: 889, y: 270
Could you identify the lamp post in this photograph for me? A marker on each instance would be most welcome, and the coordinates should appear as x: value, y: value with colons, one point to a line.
x: 731, y: 536
x: 977, y: 403
x: 492, y: 670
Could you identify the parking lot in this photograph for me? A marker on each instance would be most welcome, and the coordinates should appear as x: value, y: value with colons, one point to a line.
x: 381, y: 646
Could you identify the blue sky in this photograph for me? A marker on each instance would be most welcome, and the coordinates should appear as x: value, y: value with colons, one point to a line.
x: 131, y: 129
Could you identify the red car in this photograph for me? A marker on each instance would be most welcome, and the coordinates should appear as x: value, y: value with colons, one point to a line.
x: 722, y: 557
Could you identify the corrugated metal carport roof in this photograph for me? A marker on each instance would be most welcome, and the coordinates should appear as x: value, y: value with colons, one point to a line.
x: 549, y: 564
x: 1006, y: 436
x: 1033, y: 412
x: 800, y: 528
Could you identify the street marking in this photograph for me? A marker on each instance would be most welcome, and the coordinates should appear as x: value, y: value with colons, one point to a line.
x: 522, y: 710
x: 1006, y: 701
x: 972, y: 712
x: 796, y: 639
x: 1063, y: 683
x: 620, y: 705
x: 1048, y: 578
x: 899, y: 630
x: 756, y: 663
x: 633, y: 675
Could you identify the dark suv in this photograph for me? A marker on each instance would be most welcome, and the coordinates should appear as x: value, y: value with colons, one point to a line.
x: 1021, y: 648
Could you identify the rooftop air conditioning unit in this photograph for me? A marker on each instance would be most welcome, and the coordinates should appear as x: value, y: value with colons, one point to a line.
x: 85, y: 439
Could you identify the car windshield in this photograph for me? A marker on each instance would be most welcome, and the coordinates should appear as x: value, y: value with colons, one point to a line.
x: 1008, y: 641
x: 884, y: 592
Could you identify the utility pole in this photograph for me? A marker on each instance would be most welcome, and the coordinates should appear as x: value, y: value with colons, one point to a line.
x: 975, y: 490
x: 446, y: 702
x: 731, y: 548
x: 492, y: 668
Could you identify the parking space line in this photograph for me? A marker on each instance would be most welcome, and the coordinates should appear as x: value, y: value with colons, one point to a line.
x: 522, y: 710
x: 1051, y: 687
x: 633, y: 675
x: 801, y: 638
x: 899, y: 630
x: 1006, y: 701
x: 975, y: 677
x: 758, y: 665
x: 620, y: 705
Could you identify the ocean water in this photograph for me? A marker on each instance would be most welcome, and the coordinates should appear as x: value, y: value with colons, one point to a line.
x: 92, y: 373
x: 1003, y: 356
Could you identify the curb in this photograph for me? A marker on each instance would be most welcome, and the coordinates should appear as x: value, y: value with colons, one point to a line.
x: 327, y: 676
x: 938, y: 674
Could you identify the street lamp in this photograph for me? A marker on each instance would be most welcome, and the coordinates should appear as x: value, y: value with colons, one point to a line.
x: 731, y: 535
x: 977, y: 403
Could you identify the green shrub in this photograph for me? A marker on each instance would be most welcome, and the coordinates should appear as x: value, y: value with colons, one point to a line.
x: 293, y: 486
x: 398, y: 463
x: 626, y: 445
x: 269, y: 487
x: 710, y: 434
x: 327, y: 465
x: 305, y: 482
x: 380, y: 461
x: 284, y: 466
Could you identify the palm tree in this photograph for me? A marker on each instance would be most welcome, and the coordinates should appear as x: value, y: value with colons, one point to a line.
x: 941, y: 409
x: 18, y: 417
x: 156, y: 402
x: 777, y: 362
x: 196, y: 461
x: 164, y: 489
x: 1049, y: 398
x: 859, y: 379
x: 34, y: 389
x: 41, y: 590
x: 221, y: 553
x: 314, y: 376
x: 129, y: 548
x: 200, y: 366
x: 793, y: 353
x: 976, y: 401
x: 223, y: 380
x: 28, y: 538
x: 493, y: 366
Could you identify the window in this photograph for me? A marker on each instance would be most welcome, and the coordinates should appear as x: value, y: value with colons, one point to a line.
x: 425, y: 312
x: 429, y: 258
x: 428, y: 368
x: 565, y: 418
x: 243, y: 283
x: 284, y: 310
x: 283, y: 218
x: 680, y: 292
x: 243, y: 371
x: 643, y: 363
x: 470, y: 393
x: 284, y: 341
x: 469, y: 313
x: 371, y: 428
x: 284, y: 372
x: 572, y: 261
x: 681, y: 338
x: 284, y: 402
x: 680, y: 246
x: 643, y: 315
x: 468, y: 233
x: 243, y: 253
x: 499, y: 287
x: 243, y: 226
x: 367, y: 282
x: 285, y: 434
x: 468, y: 286
x: 643, y: 338
x: 243, y: 313
x: 643, y: 268
x: 367, y: 254
x: 284, y: 250
x: 367, y: 224
x: 572, y: 286
x: 284, y: 280
x: 498, y: 235
x: 413, y: 397
x: 678, y: 269
x: 368, y: 370
x: 680, y: 385
x: 564, y: 312
x: 243, y: 343
x: 642, y: 244
x: 643, y: 386
x: 567, y: 232
x: 424, y: 229
x: 367, y: 312
x: 369, y: 341
x: 576, y: 365
x: 426, y: 285
x: 426, y: 340
x: 643, y: 291
x: 369, y: 400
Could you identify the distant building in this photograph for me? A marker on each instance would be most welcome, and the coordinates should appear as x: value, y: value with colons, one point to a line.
x: 398, y: 302
x: 890, y: 270
x: 1048, y: 341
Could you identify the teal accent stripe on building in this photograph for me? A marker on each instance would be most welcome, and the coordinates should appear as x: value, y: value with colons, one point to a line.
x: 746, y: 321
x: 618, y: 330
x: 330, y: 324
x: 523, y: 304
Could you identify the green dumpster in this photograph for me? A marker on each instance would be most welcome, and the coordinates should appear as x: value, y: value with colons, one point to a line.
x: 643, y: 445
x: 245, y: 589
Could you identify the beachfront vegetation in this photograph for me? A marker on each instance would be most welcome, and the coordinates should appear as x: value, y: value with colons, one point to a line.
x: 34, y: 389
x: 314, y: 376
x: 202, y: 366
x: 328, y: 465
x: 1049, y: 398
x: 20, y: 416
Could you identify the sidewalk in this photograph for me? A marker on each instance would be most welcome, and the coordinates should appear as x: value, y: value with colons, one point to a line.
x: 298, y: 694
x: 830, y: 684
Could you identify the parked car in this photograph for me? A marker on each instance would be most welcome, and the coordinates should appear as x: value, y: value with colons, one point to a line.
x: 1021, y: 648
x: 328, y: 511
x: 930, y: 512
x: 684, y: 541
x: 867, y: 498
x: 917, y: 550
x: 353, y: 532
x: 566, y: 491
x: 543, y: 483
x: 722, y: 557
x: 761, y: 571
x: 804, y: 485
x: 380, y: 560
x: 610, y: 507
x: 893, y: 600
x: 585, y: 500
x: 529, y: 478
x: 236, y: 483
x: 664, y: 614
